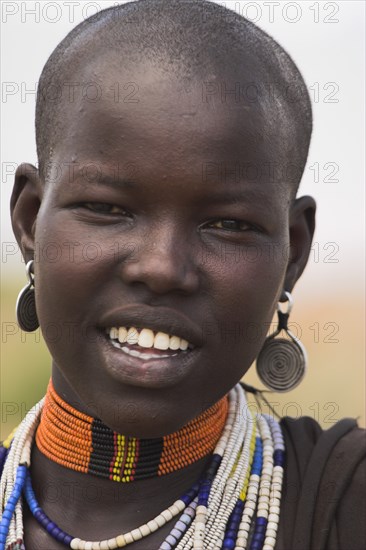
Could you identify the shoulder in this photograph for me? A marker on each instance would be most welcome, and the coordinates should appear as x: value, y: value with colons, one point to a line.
x: 342, y: 446
x: 304, y: 435
x: 326, y: 460
x: 328, y: 470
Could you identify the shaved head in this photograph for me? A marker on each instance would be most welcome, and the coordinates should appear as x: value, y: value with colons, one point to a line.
x: 195, y: 41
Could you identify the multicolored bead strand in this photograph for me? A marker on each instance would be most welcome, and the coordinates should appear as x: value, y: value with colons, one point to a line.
x: 232, y: 528
x: 277, y: 482
x: 249, y: 496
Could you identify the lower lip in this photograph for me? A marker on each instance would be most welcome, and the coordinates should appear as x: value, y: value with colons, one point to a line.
x: 160, y: 372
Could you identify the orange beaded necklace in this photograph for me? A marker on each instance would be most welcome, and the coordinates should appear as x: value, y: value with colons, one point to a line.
x: 83, y: 443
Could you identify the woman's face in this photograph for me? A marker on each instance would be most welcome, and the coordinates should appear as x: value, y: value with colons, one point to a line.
x: 158, y: 213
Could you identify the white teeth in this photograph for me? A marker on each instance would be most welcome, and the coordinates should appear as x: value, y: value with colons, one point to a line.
x: 146, y: 338
x: 122, y: 335
x: 183, y: 344
x: 132, y: 335
x: 143, y: 355
x: 161, y: 341
x: 174, y: 342
x: 113, y: 333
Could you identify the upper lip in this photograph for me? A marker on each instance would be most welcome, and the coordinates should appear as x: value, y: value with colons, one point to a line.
x: 158, y: 319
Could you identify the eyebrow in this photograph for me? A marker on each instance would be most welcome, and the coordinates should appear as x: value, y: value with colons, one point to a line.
x: 113, y: 181
x: 224, y: 197
x: 241, y: 196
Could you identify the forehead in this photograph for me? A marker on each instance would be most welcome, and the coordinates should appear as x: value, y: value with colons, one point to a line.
x: 170, y: 122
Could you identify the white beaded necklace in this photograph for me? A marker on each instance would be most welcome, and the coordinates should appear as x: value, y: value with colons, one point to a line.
x: 242, y: 496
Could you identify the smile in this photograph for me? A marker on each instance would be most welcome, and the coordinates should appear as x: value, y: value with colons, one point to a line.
x: 136, y: 341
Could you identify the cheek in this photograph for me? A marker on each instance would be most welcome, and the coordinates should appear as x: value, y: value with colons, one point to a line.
x: 72, y: 266
x: 245, y: 288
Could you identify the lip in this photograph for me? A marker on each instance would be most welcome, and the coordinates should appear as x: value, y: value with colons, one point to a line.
x: 160, y: 372
x: 157, y: 319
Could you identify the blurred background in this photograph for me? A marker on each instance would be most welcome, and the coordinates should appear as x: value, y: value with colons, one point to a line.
x: 326, y: 41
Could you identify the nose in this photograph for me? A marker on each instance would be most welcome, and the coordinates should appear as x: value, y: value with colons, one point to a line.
x: 162, y: 260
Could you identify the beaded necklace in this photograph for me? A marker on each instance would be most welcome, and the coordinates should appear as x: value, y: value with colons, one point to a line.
x: 235, y: 505
x: 83, y: 443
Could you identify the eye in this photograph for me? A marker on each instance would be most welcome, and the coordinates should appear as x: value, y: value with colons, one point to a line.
x: 104, y: 208
x: 231, y: 225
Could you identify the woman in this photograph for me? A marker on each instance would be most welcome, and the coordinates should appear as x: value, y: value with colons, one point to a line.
x: 176, y: 180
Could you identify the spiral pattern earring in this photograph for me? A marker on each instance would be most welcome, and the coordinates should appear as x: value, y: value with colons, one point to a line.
x: 282, y: 362
x: 26, y: 303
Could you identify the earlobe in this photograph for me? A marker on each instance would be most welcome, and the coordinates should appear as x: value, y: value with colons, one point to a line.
x: 302, y: 226
x: 24, y: 205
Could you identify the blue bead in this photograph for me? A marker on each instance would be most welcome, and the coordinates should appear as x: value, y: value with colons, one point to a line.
x: 7, y: 514
x: 45, y: 521
x: 233, y: 524
x: 279, y: 458
x: 229, y: 544
x: 60, y: 536
x: 171, y: 540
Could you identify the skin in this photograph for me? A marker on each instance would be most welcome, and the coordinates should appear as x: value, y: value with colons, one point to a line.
x: 180, y: 259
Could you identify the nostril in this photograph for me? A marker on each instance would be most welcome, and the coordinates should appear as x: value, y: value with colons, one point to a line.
x: 161, y: 266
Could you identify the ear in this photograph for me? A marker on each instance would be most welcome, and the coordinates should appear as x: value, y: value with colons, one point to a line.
x: 24, y: 205
x: 302, y: 226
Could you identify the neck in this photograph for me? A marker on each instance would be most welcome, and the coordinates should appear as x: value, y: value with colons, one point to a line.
x: 84, y: 444
x: 62, y: 489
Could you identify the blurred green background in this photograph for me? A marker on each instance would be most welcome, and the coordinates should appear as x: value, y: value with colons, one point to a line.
x: 332, y: 332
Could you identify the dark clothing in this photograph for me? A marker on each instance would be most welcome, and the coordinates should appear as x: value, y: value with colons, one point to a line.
x: 323, y: 505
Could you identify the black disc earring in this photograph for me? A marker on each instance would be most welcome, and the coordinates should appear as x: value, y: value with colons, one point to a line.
x: 26, y: 303
x: 282, y: 362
